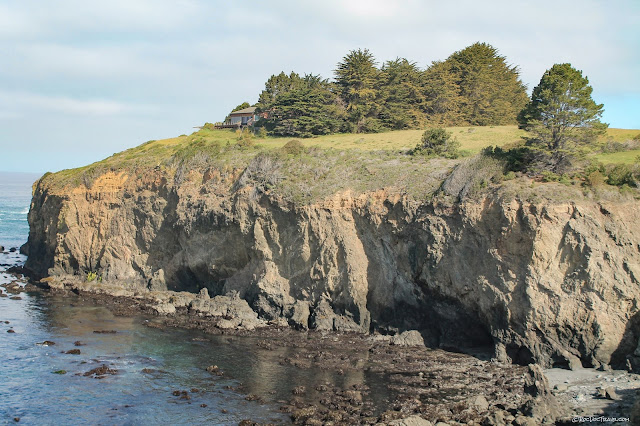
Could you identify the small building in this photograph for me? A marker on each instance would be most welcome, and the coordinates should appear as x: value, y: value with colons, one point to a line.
x: 241, y: 118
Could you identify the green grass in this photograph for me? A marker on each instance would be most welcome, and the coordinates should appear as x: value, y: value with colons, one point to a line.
x: 331, y: 163
x: 622, y: 157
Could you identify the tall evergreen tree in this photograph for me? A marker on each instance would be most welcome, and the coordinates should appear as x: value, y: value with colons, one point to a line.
x: 356, y: 76
x: 400, y: 95
x: 561, y: 115
x: 442, y: 96
x: 489, y: 90
x: 301, y: 107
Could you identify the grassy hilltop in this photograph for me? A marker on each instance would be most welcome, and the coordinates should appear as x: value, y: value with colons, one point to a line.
x: 313, y: 168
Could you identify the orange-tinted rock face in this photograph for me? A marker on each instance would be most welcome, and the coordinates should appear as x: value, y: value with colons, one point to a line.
x: 545, y: 282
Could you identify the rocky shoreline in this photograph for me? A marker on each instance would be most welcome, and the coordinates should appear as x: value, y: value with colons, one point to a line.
x: 429, y: 386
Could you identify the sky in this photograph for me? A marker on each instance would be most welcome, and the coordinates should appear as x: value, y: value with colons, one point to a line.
x: 81, y: 80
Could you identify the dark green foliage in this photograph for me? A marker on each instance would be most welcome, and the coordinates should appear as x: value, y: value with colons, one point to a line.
x: 437, y: 142
x: 278, y: 85
x: 400, y: 95
x: 301, y: 107
x: 474, y: 86
x: 516, y: 159
x: 622, y: 174
x: 561, y: 116
x: 442, y: 96
x: 356, y: 77
x: 241, y: 106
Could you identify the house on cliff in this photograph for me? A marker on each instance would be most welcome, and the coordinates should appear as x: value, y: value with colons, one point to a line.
x: 242, y: 118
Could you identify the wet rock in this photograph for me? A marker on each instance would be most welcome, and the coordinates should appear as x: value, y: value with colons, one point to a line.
x: 16, y: 419
x: 408, y: 338
x: 16, y: 298
x: 13, y: 249
x: 60, y: 372
x: 104, y: 331
x: 165, y: 308
x: 213, y: 369
x: 46, y: 343
x: 299, y: 390
x: 101, y: 371
x: 78, y: 343
x: 10, y: 330
x: 203, y: 405
x: 73, y: 352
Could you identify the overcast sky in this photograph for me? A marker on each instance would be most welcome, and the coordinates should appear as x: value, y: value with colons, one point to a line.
x: 80, y: 80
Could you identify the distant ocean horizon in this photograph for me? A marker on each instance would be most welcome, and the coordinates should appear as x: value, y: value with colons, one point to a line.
x: 15, y: 199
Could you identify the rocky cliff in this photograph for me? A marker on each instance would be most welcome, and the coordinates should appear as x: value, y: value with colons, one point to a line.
x: 550, y: 282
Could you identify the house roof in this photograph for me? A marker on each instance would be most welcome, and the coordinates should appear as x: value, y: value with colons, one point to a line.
x: 249, y: 110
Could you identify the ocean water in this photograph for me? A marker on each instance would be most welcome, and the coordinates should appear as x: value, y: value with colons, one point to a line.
x: 15, y: 197
x: 151, y: 363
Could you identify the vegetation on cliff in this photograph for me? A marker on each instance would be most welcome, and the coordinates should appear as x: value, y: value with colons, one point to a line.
x: 474, y: 86
x: 308, y: 170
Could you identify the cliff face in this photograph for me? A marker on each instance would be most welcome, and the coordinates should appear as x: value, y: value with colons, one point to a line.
x: 545, y: 282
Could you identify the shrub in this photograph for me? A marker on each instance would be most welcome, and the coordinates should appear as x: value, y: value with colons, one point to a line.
x: 293, y: 147
x: 208, y: 126
x: 437, y: 142
x: 263, y: 171
x: 595, y: 178
x: 245, y: 138
x: 621, y: 174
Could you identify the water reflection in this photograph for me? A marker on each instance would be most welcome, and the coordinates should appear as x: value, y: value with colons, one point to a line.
x: 151, y: 364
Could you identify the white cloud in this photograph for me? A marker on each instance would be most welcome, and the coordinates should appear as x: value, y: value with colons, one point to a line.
x: 40, y: 18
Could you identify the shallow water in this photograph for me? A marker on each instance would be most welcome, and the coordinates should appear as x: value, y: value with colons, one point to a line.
x: 171, y: 359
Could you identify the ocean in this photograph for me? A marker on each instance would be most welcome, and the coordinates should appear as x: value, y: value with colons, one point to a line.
x: 160, y: 374
x: 42, y: 384
x: 15, y: 197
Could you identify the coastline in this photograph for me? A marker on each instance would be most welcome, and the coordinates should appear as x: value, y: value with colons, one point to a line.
x: 478, y: 390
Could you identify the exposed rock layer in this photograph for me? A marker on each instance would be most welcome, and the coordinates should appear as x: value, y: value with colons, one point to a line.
x: 543, y: 282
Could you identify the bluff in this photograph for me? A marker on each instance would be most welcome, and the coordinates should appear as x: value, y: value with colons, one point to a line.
x: 539, y: 280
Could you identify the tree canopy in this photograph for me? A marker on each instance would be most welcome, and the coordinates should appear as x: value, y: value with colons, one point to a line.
x: 561, y: 116
x: 356, y: 76
x: 474, y: 86
x: 478, y: 86
x: 301, y: 106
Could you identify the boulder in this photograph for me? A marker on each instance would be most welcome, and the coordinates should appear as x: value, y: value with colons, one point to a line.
x: 300, y: 316
x: 408, y: 338
x: 165, y: 308
x: 479, y: 402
